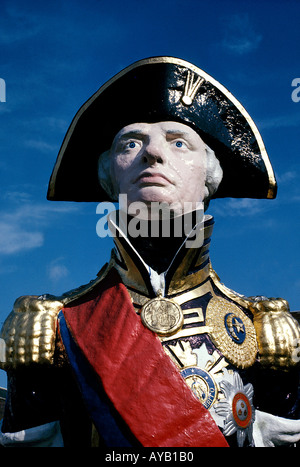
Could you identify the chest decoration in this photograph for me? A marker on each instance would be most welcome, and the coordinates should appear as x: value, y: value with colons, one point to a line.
x: 236, y: 408
x: 232, y: 332
x: 220, y: 390
x: 162, y: 315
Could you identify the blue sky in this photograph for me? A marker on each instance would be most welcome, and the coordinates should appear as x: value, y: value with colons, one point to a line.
x: 55, y: 55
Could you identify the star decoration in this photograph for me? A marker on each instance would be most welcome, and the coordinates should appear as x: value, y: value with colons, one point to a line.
x: 237, y: 408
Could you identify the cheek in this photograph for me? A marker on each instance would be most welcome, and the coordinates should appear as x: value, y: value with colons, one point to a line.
x: 191, y: 171
x: 119, y: 170
x: 192, y: 180
x: 200, y: 172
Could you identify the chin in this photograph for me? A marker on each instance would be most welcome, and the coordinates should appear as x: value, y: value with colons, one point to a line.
x: 154, y: 194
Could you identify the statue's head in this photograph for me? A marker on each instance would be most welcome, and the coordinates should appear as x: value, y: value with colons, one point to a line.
x: 165, y: 162
x: 162, y: 130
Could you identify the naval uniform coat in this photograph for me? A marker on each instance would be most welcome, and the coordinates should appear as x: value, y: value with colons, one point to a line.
x: 233, y: 354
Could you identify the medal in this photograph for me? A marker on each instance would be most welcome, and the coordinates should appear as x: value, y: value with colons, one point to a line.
x: 202, y: 385
x: 236, y: 408
x: 162, y: 316
x: 232, y: 332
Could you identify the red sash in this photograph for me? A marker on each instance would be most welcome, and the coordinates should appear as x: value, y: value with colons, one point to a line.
x: 141, y: 381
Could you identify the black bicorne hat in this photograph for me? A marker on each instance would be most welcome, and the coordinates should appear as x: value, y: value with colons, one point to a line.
x: 163, y: 89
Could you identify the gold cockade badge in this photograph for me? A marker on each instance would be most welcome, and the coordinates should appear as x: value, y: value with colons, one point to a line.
x: 191, y: 87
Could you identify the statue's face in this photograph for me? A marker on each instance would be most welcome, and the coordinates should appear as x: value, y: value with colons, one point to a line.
x: 163, y: 162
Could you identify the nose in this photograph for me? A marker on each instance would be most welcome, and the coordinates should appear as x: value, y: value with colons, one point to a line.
x: 153, y: 153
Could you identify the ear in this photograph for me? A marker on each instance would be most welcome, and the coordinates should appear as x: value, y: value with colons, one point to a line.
x: 214, y: 172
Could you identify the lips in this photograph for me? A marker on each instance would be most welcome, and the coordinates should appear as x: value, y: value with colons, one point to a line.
x: 152, y: 178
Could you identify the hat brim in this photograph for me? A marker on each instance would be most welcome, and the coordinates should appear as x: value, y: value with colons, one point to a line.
x: 163, y: 89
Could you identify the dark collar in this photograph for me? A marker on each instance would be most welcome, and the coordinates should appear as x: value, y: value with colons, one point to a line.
x: 189, y: 266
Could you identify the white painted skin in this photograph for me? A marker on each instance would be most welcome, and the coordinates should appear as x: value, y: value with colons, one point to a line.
x: 159, y: 162
x: 270, y: 430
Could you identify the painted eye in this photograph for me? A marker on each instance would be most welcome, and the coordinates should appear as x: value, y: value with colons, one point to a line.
x: 179, y: 144
x: 132, y: 145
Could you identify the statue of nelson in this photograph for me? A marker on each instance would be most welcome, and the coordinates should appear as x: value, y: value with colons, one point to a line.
x: 155, y: 351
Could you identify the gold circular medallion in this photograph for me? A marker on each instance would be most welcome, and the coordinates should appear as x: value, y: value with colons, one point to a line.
x: 162, y: 316
x: 232, y: 332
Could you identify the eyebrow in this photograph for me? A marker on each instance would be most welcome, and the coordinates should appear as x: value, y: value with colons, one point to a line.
x: 177, y: 132
x: 130, y: 134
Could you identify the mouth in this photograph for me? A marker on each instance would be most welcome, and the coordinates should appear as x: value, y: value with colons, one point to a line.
x: 152, y: 178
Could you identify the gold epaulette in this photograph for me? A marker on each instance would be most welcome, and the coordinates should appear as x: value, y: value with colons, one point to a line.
x: 278, y: 333
x: 277, y: 330
x: 29, y: 333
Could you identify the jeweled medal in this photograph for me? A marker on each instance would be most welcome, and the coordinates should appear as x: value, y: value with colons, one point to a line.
x: 162, y: 316
x: 237, y: 408
x: 232, y: 332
